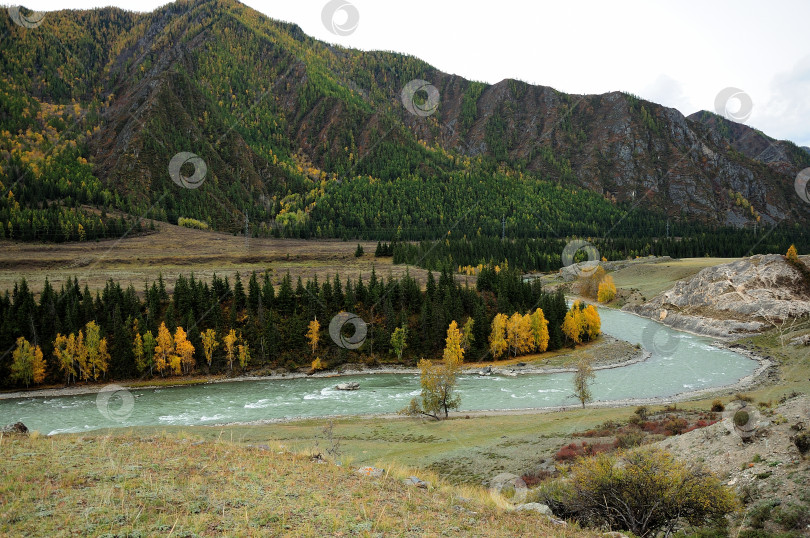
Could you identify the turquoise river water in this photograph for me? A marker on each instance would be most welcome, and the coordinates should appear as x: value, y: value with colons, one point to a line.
x: 680, y: 362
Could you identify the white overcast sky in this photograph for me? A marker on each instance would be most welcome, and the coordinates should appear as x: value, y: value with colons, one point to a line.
x: 678, y: 53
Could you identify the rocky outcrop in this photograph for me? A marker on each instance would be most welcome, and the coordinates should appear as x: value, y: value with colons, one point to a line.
x: 732, y: 299
x: 17, y: 427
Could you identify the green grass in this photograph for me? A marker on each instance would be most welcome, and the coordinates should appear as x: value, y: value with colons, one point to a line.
x: 130, y: 484
x: 650, y: 279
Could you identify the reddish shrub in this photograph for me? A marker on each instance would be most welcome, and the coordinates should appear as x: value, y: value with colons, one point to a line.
x: 569, y: 452
x: 675, y: 426
x: 532, y: 479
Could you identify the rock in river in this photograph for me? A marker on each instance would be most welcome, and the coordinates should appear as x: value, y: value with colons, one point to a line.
x: 352, y: 385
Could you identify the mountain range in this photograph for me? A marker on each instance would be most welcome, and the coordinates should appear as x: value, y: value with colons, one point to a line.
x: 301, y: 137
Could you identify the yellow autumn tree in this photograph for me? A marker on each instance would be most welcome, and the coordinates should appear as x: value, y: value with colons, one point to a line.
x: 588, y: 285
x: 164, y: 349
x: 137, y: 352
x: 592, y: 322
x: 183, y: 357
x: 27, y: 363
x: 519, y: 334
x: 313, y: 335
x: 607, y: 290
x: 210, y: 343
x: 539, y: 330
x: 792, y: 254
x: 573, y: 325
x: 452, y: 349
x: 64, y: 351
x: 497, y: 336
x: 230, y: 347
x: 243, y: 352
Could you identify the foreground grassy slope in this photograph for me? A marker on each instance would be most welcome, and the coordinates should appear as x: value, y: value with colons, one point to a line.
x: 176, y: 485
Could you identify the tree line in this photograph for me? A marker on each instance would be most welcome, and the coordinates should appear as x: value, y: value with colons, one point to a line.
x: 467, y: 255
x: 220, y: 326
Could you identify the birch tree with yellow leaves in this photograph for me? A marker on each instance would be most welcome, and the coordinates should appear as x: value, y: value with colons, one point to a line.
x: 497, y: 336
x: 27, y: 364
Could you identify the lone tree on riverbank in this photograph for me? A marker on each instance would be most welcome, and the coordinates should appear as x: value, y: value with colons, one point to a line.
x: 583, y: 378
x: 439, y: 380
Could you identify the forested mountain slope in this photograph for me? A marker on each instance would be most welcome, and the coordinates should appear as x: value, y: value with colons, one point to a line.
x: 304, y: 138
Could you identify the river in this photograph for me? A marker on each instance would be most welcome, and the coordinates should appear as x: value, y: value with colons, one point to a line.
x: 680, y: 362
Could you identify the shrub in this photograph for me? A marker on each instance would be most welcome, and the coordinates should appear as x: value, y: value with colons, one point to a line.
x: 645, y: 490
x: 635, y: 420
x: 741, y: 418
x: 642, y: 412
x: 802, y: 442
x: 759, y: 514
x: 718, y: 407
x: 675, y: 426
x: 743, y: 397
x: 629, y: 439
x: 191, y: 223
x: 534, y: 478
x: 555, y: 494
x: 792, y: 516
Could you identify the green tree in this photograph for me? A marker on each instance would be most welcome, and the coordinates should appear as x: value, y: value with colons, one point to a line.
x: 398, y: 341
x: 583, y: 378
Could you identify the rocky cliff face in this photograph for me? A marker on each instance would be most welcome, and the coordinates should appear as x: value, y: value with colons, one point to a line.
x: 733, y: 299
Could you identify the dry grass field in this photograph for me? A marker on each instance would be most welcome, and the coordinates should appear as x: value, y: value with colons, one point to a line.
x: 174, y: 251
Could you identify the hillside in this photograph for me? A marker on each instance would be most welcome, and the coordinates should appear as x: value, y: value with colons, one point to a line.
x: 314, y: 140
x: 128, y: 484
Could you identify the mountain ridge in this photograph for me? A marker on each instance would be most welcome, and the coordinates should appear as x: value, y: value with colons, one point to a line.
x: 285, y: 139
